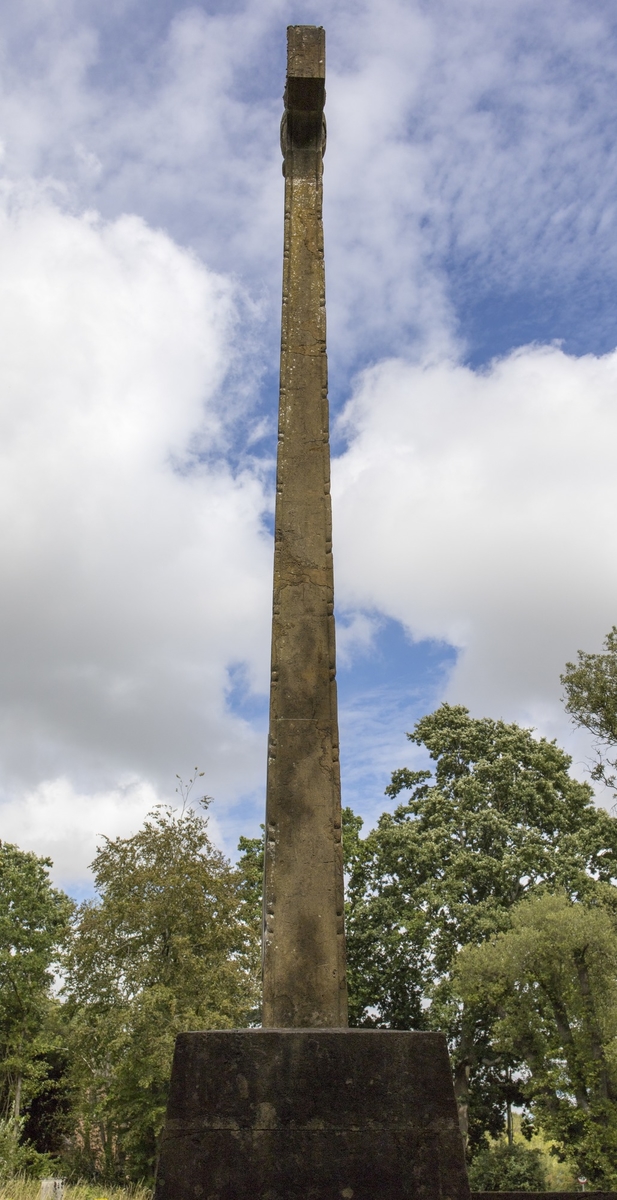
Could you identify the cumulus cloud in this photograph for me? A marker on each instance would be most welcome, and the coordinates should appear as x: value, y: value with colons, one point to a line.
x: 478, y: 508
x: 466, y: 145
x: 134, y: 565
x: 470, y: 152
x: 59, y: 822
x: 55, y: 820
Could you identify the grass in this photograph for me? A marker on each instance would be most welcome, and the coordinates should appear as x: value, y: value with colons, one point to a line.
x: 29, y: 1189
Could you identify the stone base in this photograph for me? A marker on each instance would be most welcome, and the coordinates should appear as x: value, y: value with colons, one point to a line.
x: 311, y: 1114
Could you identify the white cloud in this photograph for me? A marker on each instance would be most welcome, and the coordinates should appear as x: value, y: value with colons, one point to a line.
x: 469, y: 141
x: 133, y: 566
x: 57, y: 822
x: 479, y: 508
x: 354, y: 635
x: 470, y: 148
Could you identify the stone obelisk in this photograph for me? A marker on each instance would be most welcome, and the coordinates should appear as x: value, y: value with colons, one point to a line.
x: 305, y: 1108
x: 304, y: 981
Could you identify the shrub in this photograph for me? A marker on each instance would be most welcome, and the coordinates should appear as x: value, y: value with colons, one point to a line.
x: 504, y: 1168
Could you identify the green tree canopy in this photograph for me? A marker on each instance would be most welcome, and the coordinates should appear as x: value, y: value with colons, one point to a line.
x: 591, y: 700
x: 34, y: 924
x: 552, y: 980
x: 168, y: 946
x: 498, y: 817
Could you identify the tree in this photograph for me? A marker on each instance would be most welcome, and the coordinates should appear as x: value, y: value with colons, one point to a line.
x: 49, y: 1121
x: 591, y: 701
x: 507, y: 1168
x: 34, y: 925
x: 251, y: 874
x: 498, y: 818
x: 168, y: 946
x: 551, y: 978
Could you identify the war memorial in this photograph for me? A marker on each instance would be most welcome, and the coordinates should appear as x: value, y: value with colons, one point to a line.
x: 305, y: 1108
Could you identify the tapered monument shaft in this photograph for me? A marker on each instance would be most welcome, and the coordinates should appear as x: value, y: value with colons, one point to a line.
x: 304, y: 944
x: 306, y: 1107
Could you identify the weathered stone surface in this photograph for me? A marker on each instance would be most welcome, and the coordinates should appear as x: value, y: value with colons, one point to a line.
x: 304, y: 946
x: 311, y: 1115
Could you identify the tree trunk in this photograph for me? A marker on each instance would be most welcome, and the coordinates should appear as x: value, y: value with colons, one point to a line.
x: 465, y: 1059
x: 603, y: 1087
x: 570, y: 1048
x: 461, y: 1091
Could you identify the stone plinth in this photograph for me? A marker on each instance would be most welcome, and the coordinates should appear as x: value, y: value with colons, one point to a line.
x: 306, y: 1114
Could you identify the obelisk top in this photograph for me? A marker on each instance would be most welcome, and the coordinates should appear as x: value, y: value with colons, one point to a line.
x: 306, y: 51
x: 303, y: 125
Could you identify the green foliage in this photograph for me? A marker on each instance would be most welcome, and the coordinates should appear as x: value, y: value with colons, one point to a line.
x: 251, y: 875
x: 18, y: 1156
x: 168, y: 946
x: 498, y: 818
x: 504, y: 1168
x: 591, y: 701
x: 49, y: 1117
x: 34, y: 924
x: 552, y: 980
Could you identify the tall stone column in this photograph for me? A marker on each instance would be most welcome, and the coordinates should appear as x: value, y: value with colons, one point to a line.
x: 304, y: 944
x: 305, y: 1106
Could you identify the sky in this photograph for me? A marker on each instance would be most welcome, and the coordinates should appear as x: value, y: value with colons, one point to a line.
x: 470, y: 213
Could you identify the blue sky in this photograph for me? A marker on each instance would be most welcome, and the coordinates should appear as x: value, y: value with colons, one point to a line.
x: 471, y: 242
